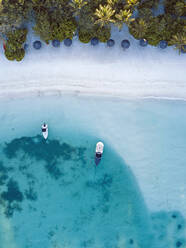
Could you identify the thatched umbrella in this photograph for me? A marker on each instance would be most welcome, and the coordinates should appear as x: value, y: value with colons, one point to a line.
x: 183, y: 49
x: 37, y: 44
x: 143, y: 42
x: 68, y: 42
x: 110, y: 43
x: 125, y: 44
x: 55, y: 43
x: 94, y: 41
x: 26, y: 46
x: 163, y: 44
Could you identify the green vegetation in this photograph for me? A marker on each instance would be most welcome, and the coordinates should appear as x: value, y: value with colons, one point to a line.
x: 155, y: 28
x: 60, y: 19
x: 178, y: 40
x: 162, y: 27
x: 54, y: 26
x: 104, y: 15
x: 103, y: 33
x: 175, y: 7
x: 13, y: 47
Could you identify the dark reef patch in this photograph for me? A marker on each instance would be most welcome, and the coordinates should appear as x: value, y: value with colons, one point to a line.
x: 179, y: 226
x: 102, y: 185
x: 92, y: 197
x: 52, y: 153
x: 104, y: 182
x: 178, y: 244
x: 13, y: 193
x: 12, y: 197
x: 49, y: 151
x: 3, y: 179
x: 166, y: 225
x: 4, y: 173
x: 51, y: 234
x: 53, y: 170
x: 87, y: 243
x: 41, y: 150
x: 131, y: 241
x: 4, y: 169
x: 31, y: 194
x: 11, y: 208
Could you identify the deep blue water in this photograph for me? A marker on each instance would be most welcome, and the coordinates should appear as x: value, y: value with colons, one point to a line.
x: 52, y: 195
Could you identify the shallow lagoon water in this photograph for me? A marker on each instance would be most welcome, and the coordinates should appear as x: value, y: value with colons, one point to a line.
x: 62, y: 197
x: 51, y: 193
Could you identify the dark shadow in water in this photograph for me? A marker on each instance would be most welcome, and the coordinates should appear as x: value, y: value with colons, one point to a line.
x: 96, y: 206
x: 169, y: 229
x: 13, y: 196
x: 48, y: 151
x: 4, y: 173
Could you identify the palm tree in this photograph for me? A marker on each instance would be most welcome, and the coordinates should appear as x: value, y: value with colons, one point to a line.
x: 132, y: 3
x: 9, y: 21
x: 145, y: 13
x: 77, y: 5
x: 124, y: 16
x: 178, y: 40
x: 161, y: 25
x: 138, y: 28
x: 104, y: 15
x: 1, y: 5
x: 180, y: 8
x: 112, y: 2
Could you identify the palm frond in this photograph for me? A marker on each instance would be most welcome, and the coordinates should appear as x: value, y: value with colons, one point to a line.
x: 104, y: 15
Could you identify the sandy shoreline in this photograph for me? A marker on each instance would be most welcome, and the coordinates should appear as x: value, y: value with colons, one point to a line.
x: 128, y: 90
x: 99, y: 71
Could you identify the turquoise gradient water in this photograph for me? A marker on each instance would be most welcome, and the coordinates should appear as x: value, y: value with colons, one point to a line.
x: 51, y: 194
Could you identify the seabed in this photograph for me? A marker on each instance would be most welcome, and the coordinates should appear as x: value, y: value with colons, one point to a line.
x: 52, y: 195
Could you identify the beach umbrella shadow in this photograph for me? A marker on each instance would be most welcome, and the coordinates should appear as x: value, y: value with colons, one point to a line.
x: 68, y: 42
x: 143, y: 42
x: 110, y: 43
x: 163, y: 44
x: 125, y: 44
x: 37, y: 44
x: 55, y: 43
x: 94, y: 41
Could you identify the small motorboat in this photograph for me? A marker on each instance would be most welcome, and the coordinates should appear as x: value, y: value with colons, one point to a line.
x: 44, y: 129
x: 99, y: 152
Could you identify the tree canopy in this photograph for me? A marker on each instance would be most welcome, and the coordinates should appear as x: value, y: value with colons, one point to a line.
x: 61, y: 19
x: 14, y: 46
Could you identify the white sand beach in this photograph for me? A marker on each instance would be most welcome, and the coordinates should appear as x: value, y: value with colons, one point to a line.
x: 82, y: 69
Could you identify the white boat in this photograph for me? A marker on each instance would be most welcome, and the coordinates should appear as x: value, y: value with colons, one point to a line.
x: 44, y: 129
x: 99, y: 152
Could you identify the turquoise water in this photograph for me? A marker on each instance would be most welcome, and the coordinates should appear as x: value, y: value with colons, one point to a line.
x: 53, y: 196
